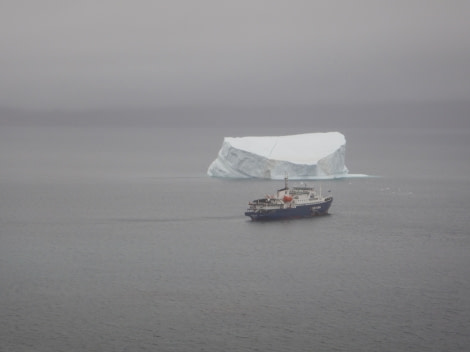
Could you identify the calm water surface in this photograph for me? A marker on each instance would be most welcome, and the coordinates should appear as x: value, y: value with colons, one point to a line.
x: 113, y: 239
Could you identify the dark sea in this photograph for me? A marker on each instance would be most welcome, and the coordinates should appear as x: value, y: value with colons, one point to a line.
x: 113, y: 238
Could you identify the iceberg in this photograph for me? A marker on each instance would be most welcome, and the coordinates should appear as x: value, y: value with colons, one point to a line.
x: 301, y: 156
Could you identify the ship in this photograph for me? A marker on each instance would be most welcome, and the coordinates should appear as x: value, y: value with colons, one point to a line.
x: 289, y: 203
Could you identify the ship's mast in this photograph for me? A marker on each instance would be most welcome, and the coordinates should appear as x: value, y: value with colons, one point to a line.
x: 285, y: 181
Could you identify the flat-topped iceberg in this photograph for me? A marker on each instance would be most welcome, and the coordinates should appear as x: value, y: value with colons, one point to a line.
x: 302, y: 156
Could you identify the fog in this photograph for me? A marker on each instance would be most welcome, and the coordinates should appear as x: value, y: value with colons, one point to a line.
x: 83, y: 55
x: 112, y: 235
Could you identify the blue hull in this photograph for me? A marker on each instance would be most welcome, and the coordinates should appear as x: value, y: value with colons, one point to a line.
x: 303, y: 211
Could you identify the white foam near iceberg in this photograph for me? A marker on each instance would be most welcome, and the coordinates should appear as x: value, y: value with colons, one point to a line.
x: 302, y: 156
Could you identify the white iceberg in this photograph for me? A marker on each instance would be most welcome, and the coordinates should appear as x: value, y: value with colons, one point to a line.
x: 302, y: 156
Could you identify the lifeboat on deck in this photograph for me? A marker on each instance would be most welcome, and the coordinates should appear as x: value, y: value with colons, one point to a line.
x: 287, y: 199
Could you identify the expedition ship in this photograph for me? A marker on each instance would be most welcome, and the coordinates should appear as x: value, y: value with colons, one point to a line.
x: 298, y: 202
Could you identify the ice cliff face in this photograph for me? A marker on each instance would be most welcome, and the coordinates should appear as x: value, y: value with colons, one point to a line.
x: 303, y: 156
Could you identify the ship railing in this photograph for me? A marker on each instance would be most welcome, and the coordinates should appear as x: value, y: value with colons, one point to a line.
x: 263, y: 206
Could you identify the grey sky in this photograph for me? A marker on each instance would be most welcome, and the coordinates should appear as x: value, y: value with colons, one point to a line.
x: 99, y: 54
